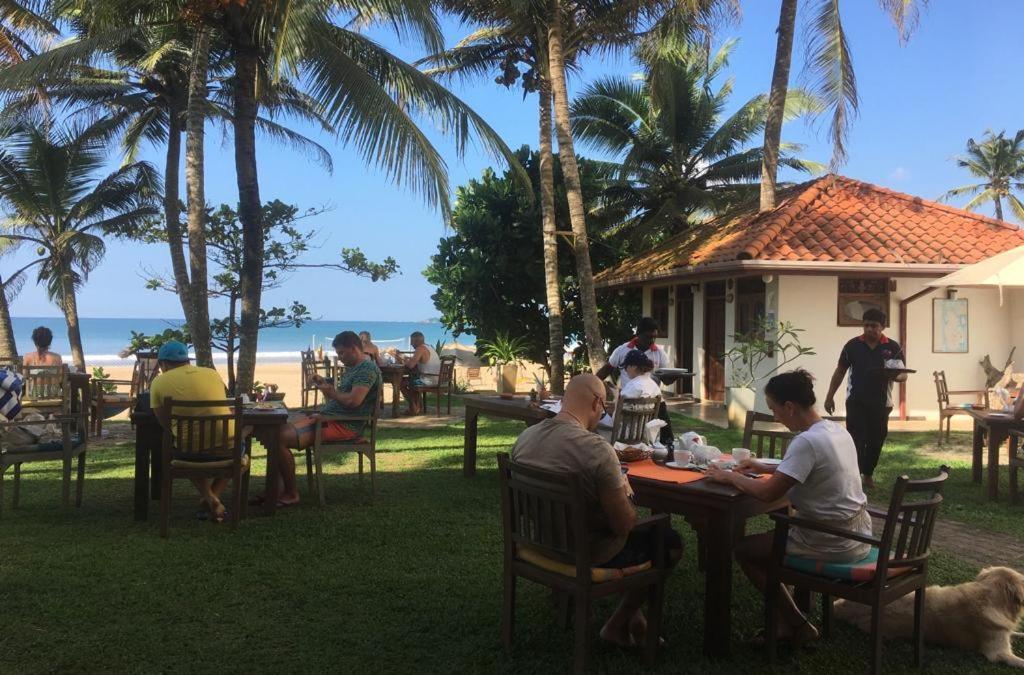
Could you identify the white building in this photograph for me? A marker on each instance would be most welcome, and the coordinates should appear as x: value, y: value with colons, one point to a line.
x: 832, y: 248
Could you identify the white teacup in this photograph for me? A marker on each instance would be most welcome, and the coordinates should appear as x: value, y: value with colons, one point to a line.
x: 683, y: 457
x: 740, y: 454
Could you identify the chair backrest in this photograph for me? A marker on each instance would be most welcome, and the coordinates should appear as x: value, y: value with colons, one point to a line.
x: 207, y: 429
x: 941, y: 388
x: 45, y: 383
x: 308, y: 359
x: 143, y: 372
x: 765, y: 437
x: 631, y: 416
x: 447, y: 372
x: 913, y: 510
x: 545, y: 511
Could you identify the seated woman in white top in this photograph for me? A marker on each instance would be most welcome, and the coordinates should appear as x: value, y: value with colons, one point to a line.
x: 819, y: 476
x: 640, y: 385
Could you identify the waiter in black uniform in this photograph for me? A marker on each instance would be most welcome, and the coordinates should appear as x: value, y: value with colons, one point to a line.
x: 869, y: 392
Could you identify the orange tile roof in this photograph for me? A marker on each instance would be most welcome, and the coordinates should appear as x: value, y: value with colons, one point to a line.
x: 832, y: 219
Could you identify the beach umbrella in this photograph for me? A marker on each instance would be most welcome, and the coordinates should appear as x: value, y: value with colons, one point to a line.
x: 1005, y: 270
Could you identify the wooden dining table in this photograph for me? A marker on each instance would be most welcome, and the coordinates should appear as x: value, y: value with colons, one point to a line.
x: 991, y: 430
x: 149, y: 437
x: 718, y: 513
x: 494, y: 406
x: 393, y: 374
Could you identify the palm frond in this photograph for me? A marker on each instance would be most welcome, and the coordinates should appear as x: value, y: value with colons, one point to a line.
x: 830, y: 71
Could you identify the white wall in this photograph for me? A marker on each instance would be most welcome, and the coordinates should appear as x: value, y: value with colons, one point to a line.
x: 809, y: 302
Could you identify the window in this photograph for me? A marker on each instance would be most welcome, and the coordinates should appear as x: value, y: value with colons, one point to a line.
x: 857, y: 296
x: 659, y: 308
x: 750, y: 309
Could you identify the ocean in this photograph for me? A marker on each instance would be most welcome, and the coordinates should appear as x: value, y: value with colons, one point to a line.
x: 102, y: 339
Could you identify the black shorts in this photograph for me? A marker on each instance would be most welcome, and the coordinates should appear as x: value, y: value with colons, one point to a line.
x: 639, y: 548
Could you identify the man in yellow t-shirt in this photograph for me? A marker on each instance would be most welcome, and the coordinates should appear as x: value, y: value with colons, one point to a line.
x: 181, y: 381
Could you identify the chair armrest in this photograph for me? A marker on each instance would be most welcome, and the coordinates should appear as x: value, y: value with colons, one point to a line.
x: 652, y: 522
x: 877, y: 513
x: 345, y: 418
x: 827, y: 529
x: 965, y: 392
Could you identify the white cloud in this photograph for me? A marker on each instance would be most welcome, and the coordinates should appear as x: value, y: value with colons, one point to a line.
x: 899, y: 173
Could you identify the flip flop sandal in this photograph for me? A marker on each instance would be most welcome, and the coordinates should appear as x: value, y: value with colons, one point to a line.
x: 286, y: 505
x: 221, y: 517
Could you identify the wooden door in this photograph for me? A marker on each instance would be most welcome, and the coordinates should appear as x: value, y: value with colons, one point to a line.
x: 714, y: 341
x: 684, y: 336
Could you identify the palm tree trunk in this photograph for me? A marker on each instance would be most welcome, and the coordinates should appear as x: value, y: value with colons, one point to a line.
x: 999, y: 208
x: 69, y: 304
x: 573, y: 189
x: 230, y: 348
x: 556, y: 334
x: 777, y: 104
x: 195, y: 185
x: 8, y: 346
x: 172, y: 213
x: 249, y: 215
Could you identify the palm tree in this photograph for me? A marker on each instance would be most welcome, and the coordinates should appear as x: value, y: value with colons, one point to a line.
x: 999, y: 162
x: 54, y: 202
x: 830, y: 66
x: 678, y: 156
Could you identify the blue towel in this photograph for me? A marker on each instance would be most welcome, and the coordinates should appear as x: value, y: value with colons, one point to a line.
x: 10, y: 393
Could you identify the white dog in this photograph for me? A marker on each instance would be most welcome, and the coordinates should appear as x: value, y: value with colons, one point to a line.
x: 980, y: 615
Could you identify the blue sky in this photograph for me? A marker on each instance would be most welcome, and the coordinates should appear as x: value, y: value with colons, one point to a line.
x: 958, y: 76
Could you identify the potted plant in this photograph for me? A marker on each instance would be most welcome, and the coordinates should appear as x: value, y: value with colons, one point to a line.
x: 754, y: 357
x: 505, y: 354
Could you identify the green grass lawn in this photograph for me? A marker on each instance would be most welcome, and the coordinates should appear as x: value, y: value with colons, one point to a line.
x: 408, y: 582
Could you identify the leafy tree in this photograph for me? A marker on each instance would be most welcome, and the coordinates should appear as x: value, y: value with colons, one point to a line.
x: 678, y: 156
x: 489, y: 277
x: 56, y: 203
x: 286, y: 247
x: 999, y: 162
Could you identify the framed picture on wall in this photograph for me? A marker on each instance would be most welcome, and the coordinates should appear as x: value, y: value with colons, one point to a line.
x: 857, y: 296
x: 949, y: 326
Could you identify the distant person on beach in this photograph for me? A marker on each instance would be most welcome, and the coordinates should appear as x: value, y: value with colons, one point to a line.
x: 423, y: 367
x: 369, y: 348
x: 355, y: 394
x: 42, y: 356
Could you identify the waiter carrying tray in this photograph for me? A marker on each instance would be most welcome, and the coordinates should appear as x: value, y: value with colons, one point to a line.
x: 869, y: 390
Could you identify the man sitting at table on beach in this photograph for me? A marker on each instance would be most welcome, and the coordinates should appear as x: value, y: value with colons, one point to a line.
x: 355, y: 394
x: 423, y: 366
x: 369, y: 348
x: 181, y: 381
x: 567, y: 442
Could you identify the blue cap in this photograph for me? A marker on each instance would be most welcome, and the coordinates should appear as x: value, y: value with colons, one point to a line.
x: 173, y: 351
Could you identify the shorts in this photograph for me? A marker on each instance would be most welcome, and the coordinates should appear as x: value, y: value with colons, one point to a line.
x: 639, y: 548
x: 332, y: 431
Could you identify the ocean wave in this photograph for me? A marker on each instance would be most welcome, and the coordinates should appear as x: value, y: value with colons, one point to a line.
x: 218, y: 357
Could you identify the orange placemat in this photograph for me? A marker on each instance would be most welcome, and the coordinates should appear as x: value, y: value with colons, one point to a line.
x: 648, y: 469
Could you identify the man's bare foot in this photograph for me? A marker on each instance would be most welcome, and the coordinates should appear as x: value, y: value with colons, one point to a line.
x: 620, y: 637
x: 638, y: 627
x: 288, y: 500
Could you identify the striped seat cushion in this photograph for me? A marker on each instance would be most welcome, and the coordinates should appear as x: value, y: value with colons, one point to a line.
x: 858, y: 570
x: 597, y: 574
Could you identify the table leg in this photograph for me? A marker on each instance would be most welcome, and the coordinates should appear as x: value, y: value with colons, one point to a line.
x: 976, y: 452
x: 469, y: 446
x: 719, y: 538
x: 142, y: 451
x: 995, y: 440
x: 269, y: 440
x: 396, y: 393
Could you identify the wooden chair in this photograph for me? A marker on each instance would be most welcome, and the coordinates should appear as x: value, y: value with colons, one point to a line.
x: 363, y: 445
x: 765, y: 437
x: 73, y: 445
x: 631, y: 415
x: 45, y: 389
x: 308, y: 391
x: 544, y: 518
x: 947, y: 411
x: 204, y: 445
x: 445, y: 384
x: 1016, y: 461
x: 897, y: 564
x: 108, y: 396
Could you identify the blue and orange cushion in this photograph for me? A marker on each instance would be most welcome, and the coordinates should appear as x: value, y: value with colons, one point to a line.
x: 857, y: 570
x: 598, y: 575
